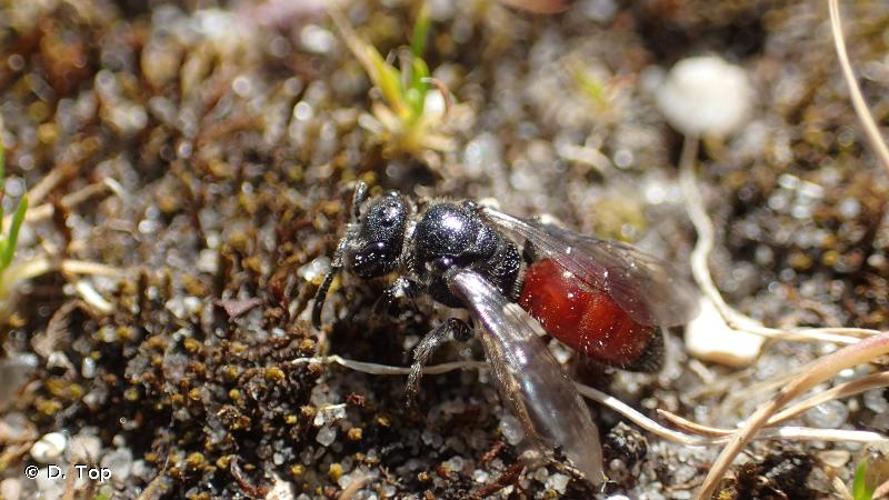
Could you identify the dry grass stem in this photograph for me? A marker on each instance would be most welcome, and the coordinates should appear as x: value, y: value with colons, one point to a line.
x: 877, y: 143
x: 45, y: 211
x: 796, y: 433
x: 811, y: 375
x: 698, y: 435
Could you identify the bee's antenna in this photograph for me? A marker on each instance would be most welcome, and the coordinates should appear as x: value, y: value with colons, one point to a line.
x: 321, y: 296
x: 358, y: 198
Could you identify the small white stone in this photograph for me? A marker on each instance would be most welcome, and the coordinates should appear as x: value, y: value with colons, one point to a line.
x: 281, y: 490
x: 316, y: 39
x: 512, y: 430
x: 706, y: 96
x: 557, y: 482
x: 875, y: 401
x: 120, y: 462
x: 88, y: 368
x: 49, y: 448
x: 208, y: 260
x: 193, y: 305
x: 455, y: 464
x: 84, y: 448
x: 329, y: 414
x: 315, y: 270
x: 827, y: 415
x: 10, y: 489
x: 326, y: 436
x: 480, y: 476
x: 709, y: 338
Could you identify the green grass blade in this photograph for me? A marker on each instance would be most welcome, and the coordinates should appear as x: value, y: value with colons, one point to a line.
x: 419, y: 86
x: 17, y: 219
x: 421, y: 31
x: 387, y: 78
x: 860, y: 490
x: 2, y: 161
x: 2, y: 181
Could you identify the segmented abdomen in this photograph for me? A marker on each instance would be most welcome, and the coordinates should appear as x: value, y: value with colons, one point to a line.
x: 587, y: 320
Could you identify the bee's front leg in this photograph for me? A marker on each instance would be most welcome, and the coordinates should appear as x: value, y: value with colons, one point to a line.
x: 452, y: 329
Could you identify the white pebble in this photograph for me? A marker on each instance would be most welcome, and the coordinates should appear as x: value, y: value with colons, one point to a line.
x: 480, y: 476
x: 706, y: 96
x: 88, y: 368
x: 875, y: 401
x: 84, y: 448
x: 208, y: 261
x: 557, y: 482
x: 329, y: 414
x: 49, y: 448
x: 709, y: 338
x: 281, y: 490
x: 326, y: 436
x: 10, y: 489
x: 316, y: 39
x: 829, y: 415
x: 120, y: 462
x: 455, y: 464
x: 512, y: 430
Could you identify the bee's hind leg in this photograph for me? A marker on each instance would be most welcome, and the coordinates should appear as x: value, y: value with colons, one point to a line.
x: 450, y: 329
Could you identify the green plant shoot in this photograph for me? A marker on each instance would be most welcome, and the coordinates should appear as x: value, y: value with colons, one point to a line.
x: 9, y: 240
x: 860, y: 488
x: 403, y: 121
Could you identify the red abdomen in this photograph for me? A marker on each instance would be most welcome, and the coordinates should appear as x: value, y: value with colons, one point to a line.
x: 587, y: 320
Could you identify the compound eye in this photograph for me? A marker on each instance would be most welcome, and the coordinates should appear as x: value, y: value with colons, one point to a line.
x: 375, y: 259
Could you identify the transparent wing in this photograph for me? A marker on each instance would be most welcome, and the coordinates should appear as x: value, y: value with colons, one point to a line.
x: 528, y: 376
x: 645, y: 287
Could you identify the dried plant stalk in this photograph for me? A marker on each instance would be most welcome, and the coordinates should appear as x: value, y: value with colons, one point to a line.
x: 700, y: 435
x: 864, y: 115
x: 811, y: 375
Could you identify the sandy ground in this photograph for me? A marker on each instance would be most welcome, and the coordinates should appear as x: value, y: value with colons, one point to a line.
x: 207, y: 152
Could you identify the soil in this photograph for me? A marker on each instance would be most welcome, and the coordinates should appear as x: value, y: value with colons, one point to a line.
x: 218, y: 144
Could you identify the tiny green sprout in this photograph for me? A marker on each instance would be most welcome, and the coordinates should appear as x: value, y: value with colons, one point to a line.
x: 591, y: 86
x: 402, y: 121
x: 860, y: 489
x: 597, y: 91
x: 9, y: 240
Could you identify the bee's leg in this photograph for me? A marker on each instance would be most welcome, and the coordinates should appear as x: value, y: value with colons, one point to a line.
x: 529, y: 253
x: 402, y: 288
x: 451, y: 329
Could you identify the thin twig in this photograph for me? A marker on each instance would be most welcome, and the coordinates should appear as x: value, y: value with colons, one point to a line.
x: 811, y: 375
x: 844, y: 390
x: 839, y: 391
x: 877, y: 143
x: 847, y: 389
x: 48, y: 183
x: 702, y: 439
x: 45, y: 211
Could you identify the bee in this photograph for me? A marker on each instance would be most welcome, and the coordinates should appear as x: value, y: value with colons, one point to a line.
x: 607, y: 300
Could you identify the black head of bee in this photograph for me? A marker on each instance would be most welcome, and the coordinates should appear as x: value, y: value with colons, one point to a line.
x: 378, y: 245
